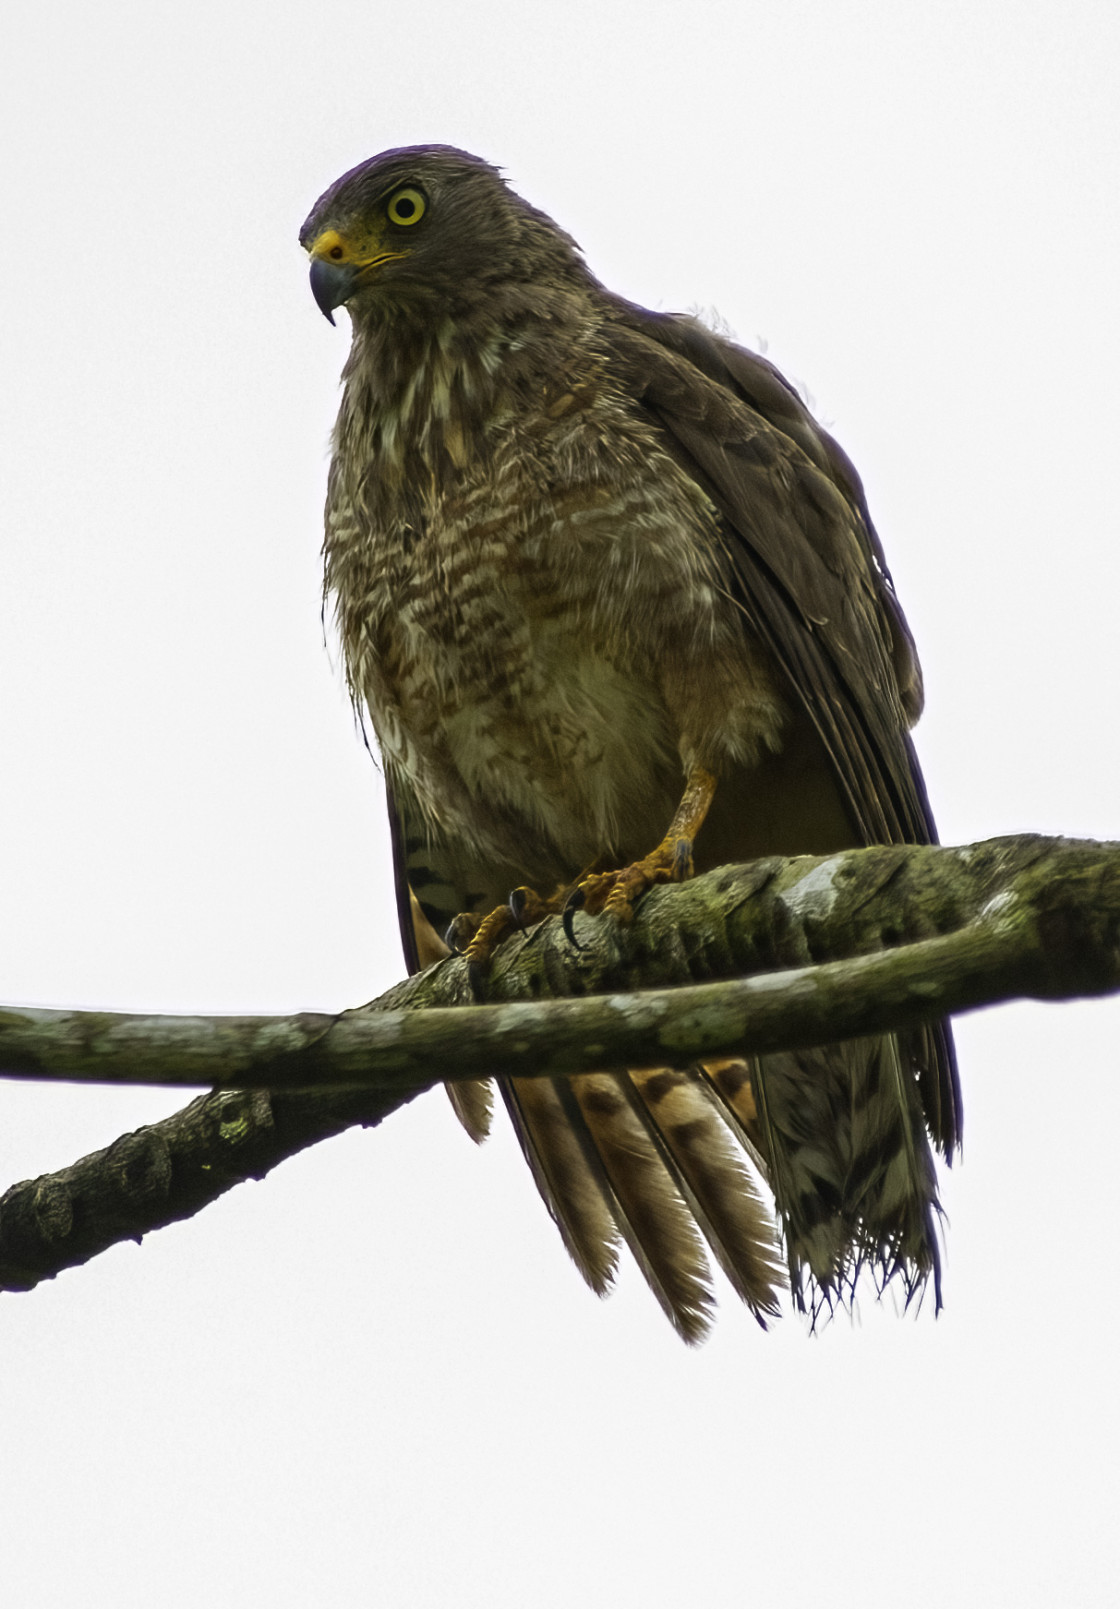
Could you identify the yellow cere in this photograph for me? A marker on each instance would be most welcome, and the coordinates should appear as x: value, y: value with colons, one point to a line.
x: 331, y: 247
x: 362, y: 251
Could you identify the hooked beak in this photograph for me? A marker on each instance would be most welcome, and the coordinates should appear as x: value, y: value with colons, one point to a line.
x: 332, y: 284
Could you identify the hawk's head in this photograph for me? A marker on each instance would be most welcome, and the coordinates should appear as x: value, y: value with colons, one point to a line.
x: 428, y: 223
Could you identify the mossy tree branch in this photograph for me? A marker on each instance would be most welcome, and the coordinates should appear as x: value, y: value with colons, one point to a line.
x: 777, y: 954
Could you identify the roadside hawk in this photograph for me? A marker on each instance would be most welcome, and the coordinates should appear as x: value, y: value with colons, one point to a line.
x: 614, y: 605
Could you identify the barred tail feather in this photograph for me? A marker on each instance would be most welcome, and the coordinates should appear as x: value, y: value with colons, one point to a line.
x: 652, y: 1212
x: 568, y: 1173
x: 850, y: 1166
x: 647, y: 1156
x: 473, y: 1102
x: 711, y: 1169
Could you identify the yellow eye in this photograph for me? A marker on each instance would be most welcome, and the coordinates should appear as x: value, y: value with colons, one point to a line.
x: 406, y: 206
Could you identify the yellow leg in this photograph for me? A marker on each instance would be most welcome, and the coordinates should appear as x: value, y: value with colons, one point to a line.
x: 671, y: 862
x: 613, y: 892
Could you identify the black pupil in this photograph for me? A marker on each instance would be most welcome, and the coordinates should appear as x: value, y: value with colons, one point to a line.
x: 405, y: 207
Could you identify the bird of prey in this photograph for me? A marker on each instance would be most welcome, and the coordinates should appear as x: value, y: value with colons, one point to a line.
x: 615, y: 607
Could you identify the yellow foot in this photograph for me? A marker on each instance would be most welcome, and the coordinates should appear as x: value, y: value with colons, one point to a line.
x: 615, y: 892
x: 488, y: 935
x: 671, y: 862
x: 477, y: 938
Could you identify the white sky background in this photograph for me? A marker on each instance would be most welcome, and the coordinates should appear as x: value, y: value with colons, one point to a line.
x: 374, y: 1378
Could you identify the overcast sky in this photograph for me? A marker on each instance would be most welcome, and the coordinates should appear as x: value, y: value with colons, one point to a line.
x: 375, y: 1378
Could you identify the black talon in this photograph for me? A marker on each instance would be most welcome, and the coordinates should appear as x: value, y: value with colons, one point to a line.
x: 460, y: 931
x: 572, y: 904
x: 518, y: 900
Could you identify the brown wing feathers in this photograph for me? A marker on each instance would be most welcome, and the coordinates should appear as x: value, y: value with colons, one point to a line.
x: 842, y: 1129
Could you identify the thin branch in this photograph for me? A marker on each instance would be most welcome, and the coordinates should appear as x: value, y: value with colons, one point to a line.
x: 835, y: 946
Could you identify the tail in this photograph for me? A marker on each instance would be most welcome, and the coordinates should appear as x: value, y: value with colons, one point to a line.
x: 647, y: 1157
x: 668, y: 1160
x: 843, y: 1137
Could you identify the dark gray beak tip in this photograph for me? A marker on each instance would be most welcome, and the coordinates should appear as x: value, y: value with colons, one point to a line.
x: 331, y: 284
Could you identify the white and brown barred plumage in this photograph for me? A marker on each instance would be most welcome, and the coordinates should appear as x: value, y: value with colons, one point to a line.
x: 577, y: 550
